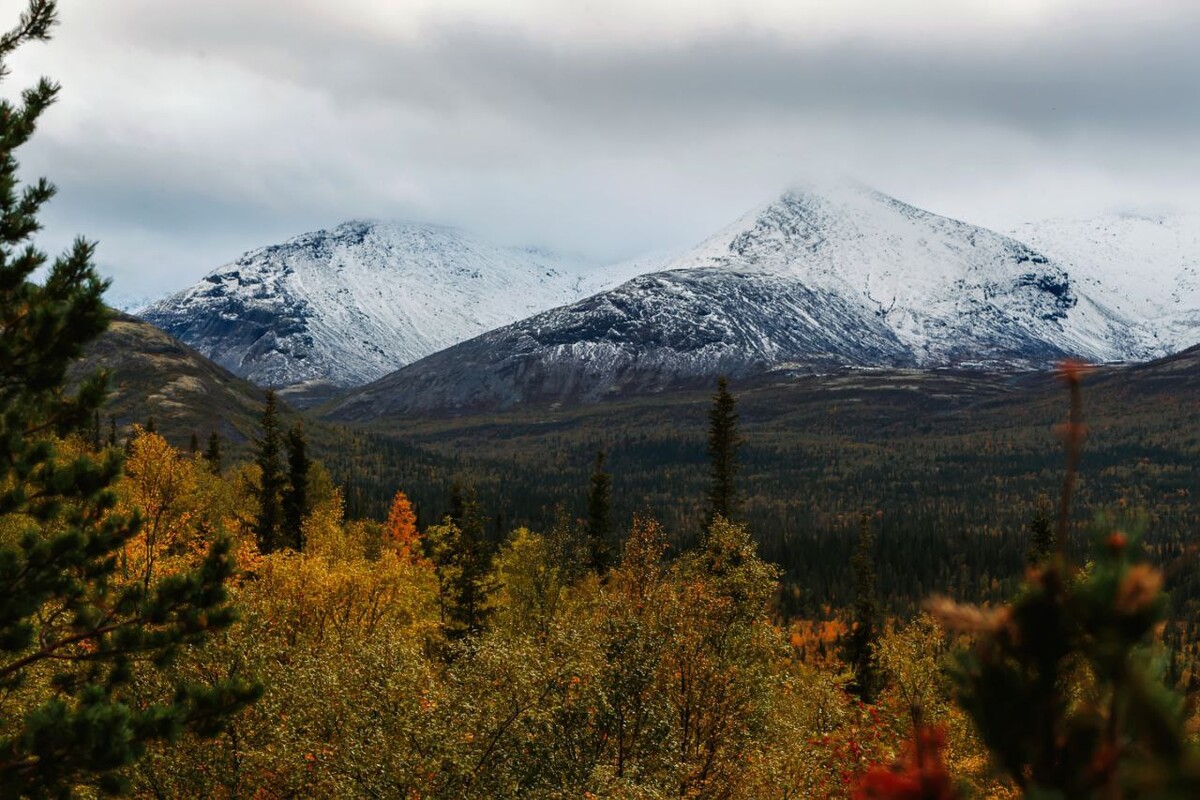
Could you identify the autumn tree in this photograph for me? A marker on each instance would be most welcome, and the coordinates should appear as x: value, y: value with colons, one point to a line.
x: 400, y: 531
x: 161, y: 482
x: 295, y: 500
x: 599, y: 525
x: 637, y: 716
x: 268, y: 457
x: 567, y: 544
x: 532, y: 582
x: 1064, y: 683
x: 72, y: 636
x: 722, y: 658
x: 723, y: 443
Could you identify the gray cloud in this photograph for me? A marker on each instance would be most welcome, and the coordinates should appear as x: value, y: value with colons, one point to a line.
x: 189, y: 132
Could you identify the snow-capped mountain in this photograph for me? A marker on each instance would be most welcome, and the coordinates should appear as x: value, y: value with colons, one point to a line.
x: 1144, y: 267
x: 841, y: 276
x: 348, y: 305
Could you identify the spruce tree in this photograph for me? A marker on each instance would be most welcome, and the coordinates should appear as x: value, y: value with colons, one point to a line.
x: 457, y: 502
x: 475, y: 587
x: 295, y: 494
x: 270, y: 485
x: 599, y: 526
x: 859, y: 651
x: 213, y: 454
x: 73, y: 635
x: 112, y: 431
x: 194, y: 445
x: 462, y: 560
x: 1041, y: 533
x: 723, y: 443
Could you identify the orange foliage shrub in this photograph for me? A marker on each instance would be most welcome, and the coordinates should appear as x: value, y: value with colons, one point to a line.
x: 919, y: 775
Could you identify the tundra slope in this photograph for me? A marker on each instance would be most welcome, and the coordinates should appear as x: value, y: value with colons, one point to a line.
x: 840, y: 277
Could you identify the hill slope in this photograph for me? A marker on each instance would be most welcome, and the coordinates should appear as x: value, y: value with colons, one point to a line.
x: 153, y: 374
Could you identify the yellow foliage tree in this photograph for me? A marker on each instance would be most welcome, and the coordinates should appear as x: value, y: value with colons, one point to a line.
x: 161, y: 481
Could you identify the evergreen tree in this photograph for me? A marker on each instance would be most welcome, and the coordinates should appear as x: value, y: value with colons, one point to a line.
x: 457, y: 502
x: 213, y: 454
x: 1041, y: 533
x: 150, y: 426
x: 270, y: 486
x: 72, y: 634
x: 97, y: 443
x: 295, y: 495
x: 462, y: 560
x: 194, y: 445
x: 859, y: 651
x: 599, y: 526
x: 112, y: 431
x: 723, y: 443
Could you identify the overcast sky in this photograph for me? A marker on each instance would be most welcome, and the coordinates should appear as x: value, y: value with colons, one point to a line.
x: 189, y: 132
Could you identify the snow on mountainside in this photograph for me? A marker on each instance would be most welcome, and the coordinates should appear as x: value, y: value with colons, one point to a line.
x: 1145, y: 267
x: 348, y: 305
x: 845, y: 276
x: 946, y: 288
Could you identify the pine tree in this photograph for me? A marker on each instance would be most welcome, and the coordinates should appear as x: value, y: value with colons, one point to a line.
x: 270, y: 486
x: 723, y: 443
x: 112, y: 431
x: 72, y: 634
x: 150, y: 426
x: 295, y: 495
x: 213, y: 454
x: 599, y: 526
x: 97, y: 442
x: 859, y: 650
x: 194, y: 445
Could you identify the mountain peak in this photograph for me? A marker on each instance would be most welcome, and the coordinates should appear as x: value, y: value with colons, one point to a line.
x: 351, y: 303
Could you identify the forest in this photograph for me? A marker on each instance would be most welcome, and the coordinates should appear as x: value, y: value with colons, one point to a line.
x: 274, y: 620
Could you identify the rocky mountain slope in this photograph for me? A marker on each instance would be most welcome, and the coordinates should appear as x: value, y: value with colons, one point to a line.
x: 348, y: 305
x: 815, y: 280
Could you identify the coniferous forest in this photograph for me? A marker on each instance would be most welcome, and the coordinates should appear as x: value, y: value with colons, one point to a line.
x: 764, y: 593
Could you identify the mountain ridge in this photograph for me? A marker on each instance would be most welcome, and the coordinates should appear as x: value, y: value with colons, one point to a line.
x: 349, y: 304
x: 812, y: 280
